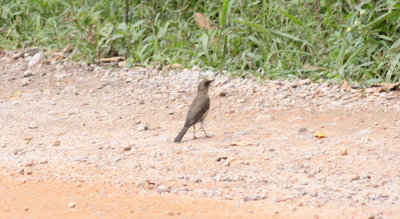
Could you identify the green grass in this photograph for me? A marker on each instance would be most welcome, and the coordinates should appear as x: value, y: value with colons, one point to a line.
x: 264, y: 39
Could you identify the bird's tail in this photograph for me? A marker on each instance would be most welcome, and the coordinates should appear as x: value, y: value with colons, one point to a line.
x: 181, y: 134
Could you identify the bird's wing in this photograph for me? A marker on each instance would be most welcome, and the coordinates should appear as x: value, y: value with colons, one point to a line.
x: 199, y: 106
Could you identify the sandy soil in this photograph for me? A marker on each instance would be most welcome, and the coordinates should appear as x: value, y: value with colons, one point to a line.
x: 97, y: 142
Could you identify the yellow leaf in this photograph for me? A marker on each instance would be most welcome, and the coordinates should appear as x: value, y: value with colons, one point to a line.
x: 320, y: 135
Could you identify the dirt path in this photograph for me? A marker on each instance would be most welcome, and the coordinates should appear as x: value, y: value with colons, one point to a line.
x: 103, y: 139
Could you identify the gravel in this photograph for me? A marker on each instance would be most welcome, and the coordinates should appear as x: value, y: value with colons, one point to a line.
x: 262, y: 134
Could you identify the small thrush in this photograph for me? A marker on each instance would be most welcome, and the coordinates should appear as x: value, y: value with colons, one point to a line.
x: 198, y: 110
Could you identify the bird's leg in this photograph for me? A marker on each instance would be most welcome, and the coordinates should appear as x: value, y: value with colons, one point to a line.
x: 194, y: 134
x: 204, y: 130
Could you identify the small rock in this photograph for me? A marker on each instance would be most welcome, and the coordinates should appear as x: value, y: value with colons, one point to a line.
x: 241, y: 101
x: 33, y: 125
x: 18, y: 151
x: 254, y: 198
x: 343, y: 151
x: 26, y: 209
x: 25, y: 82
x: 357, y: 177
x: 128, y: 79
x: 264, y: 117
x: 163, y: 189
x: 221, y: 158
x: 127, y: 148
x: 142, y: 127
x: 32, y: 51
x: 3, y: 145
x: 27, y: 74
x: 71, y: 205
x: 305, y: 82
x: 313, y: 194
x: 17, y: 55
x: 302, y: 130
x: 35, y: 59
x: 56, y: 143
x: 222, y: 93
x: 227, y: 163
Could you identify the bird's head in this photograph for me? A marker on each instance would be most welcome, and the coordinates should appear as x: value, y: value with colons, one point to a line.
x: 204, y: 85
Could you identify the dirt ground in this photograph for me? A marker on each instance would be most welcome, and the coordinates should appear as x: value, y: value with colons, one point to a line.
x: 97, y: 142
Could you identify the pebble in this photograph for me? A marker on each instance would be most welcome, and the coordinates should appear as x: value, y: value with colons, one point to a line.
x: 241, y: 100
x: 33, y: 125
x: 221, y: 158
x: 71, y: 205
x: 35, y: 59
x: 254, y: 198
x: 222, y: 93
x: 27, y: 74
x: 25, y: 82
x: 343, y: 151
x: 236, y: 181
x: 142, y: 127
x: 127, y: 148
x: 163, y: 189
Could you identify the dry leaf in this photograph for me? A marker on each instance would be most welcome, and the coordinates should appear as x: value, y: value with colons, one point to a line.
x: 320, y: 135
x: 389, y: 86
x: 345, y: 86
x: 382, y: 87
x: 176, y: 66
x: 203, y: 21
x: 27, y: 138
x: 375, y: 90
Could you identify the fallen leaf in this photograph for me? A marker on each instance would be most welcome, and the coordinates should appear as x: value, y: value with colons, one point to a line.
x: 374, y: 90
x: 203, y: 22
x: 176, y: 66
x: 320, y: 135
x: 345, y: 86
x: 382, y: 87
x: 27, y: 138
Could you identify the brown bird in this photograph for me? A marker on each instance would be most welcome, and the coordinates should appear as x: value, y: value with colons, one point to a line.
x: 198, y: 110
